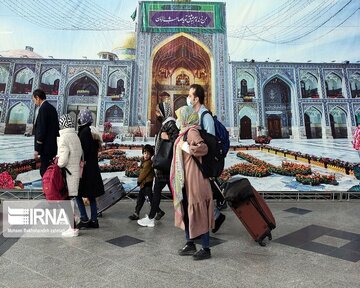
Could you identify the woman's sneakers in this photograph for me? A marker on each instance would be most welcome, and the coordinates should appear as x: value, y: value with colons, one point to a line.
x: 134, y: 216
x: 188, y: 250
x: 87, y: 224
x: 146, y: 222
x: 202, y: 254
x: 70, y: 232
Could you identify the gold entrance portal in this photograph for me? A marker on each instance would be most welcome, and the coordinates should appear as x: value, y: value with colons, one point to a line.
x: 178, y: 63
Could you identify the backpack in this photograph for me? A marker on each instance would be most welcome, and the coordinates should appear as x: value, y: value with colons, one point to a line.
x: 54, y: 182
x: 220, y: 132
x: 213, y: 162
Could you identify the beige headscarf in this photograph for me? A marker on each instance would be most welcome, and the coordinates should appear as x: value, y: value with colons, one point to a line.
x: 187, y: 118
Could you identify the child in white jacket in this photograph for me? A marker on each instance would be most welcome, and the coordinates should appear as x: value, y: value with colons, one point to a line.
x: 69, y: 156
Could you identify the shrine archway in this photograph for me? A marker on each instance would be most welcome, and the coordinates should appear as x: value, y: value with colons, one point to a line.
x: 178, y: 62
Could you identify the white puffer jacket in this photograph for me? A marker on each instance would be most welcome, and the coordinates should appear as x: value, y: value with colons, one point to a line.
x: 69, y: 153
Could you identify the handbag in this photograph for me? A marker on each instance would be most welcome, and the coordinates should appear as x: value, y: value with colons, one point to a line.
x: 162, y: 159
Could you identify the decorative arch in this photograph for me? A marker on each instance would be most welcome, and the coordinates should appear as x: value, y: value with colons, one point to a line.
x: 354, y: 85
x: 309, y: 86
x: 17, y: 119
x: 333, y: 83
x: 246, y: 86
x: 83, y: 85
x: 177, y: 62
x: 23, y: 81
x: 313, y: 122
x: 114, y: 114
x: 357, y: 117
x: 4, y: 75
x: 249, y: 112
x: 277, y: 106
x: 50, y: 81
x: 116, y: 83
x: 338, y: 122
x: 247, y: 122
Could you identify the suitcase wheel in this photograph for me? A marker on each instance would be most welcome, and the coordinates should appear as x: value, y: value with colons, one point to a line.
x: 262, y: 243
x: 269, y: 236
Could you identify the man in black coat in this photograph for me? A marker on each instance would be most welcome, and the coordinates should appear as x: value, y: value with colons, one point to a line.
x: 46, y: 130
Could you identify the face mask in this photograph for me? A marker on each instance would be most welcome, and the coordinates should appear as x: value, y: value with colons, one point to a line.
x: 188, y: 102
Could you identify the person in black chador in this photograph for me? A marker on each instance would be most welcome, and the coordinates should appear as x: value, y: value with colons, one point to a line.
x: 91, y: 184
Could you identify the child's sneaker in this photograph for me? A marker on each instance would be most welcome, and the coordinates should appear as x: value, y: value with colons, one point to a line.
x: 146, y: 222
x: 159, y: 215
x: 134, y: 217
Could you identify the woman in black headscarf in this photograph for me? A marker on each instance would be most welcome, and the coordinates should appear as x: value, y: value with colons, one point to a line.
x: 167, y: 132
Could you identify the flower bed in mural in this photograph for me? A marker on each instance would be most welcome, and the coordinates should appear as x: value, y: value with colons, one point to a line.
x: 313, y: 159
x: 302, y: 173
x: 108, y: 135
x: 263, y: 139
x: 6, y: 181
x: 132, y: 172
x: 316, y: 179
x: 248, y: 170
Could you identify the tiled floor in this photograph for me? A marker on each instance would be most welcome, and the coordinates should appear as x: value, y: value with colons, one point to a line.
x: 317, y: 249
x: 324, y: 240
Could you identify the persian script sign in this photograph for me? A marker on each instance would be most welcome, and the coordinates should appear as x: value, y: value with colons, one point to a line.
x: 178, y: 17
x: 181, y: 19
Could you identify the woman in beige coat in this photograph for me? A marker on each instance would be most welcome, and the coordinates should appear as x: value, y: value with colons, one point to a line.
x: 193, y: 202
x: 69, y: 153
x: 69, y: 156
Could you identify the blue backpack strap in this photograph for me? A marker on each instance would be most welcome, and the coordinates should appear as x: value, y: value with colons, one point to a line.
x: 201, y: 118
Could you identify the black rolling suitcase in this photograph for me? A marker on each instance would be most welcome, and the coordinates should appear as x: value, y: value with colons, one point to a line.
x: 114, y: 192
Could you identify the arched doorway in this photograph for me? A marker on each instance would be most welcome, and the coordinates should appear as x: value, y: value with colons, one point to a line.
x: 179, y: 62
x: 114, y: 114
x: 85, y: 86
x: 274, y: 126
x: 277, y: 104
x: 23, y: 81
x: 312, y: 118
x: 338, y: 123
x: 245, y: 128
x: 307, y: 126
x: 17, y: 119
x: 50, y: 81
x: 82, y: 91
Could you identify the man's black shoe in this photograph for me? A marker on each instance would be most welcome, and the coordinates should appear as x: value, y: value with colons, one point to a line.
x: 202, y: 254
x: 93, y: 224
x: 218, y: 222
x: 188, y: 250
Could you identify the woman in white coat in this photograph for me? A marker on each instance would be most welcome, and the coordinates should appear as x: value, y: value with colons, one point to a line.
x: 69, y: 156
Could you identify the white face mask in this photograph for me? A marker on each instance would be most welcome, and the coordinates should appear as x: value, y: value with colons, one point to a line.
x: 188, y: 102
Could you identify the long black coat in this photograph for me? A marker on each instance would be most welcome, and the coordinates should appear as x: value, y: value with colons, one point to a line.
x: 46, y: 130
x: 91, y: 184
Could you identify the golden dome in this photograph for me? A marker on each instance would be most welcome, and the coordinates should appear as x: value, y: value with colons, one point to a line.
x: 126, y: 41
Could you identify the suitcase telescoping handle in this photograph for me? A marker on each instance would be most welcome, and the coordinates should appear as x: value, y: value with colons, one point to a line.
x: 214, y: 181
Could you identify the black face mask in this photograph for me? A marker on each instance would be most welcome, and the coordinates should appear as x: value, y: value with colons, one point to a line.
x: 160, y: 118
